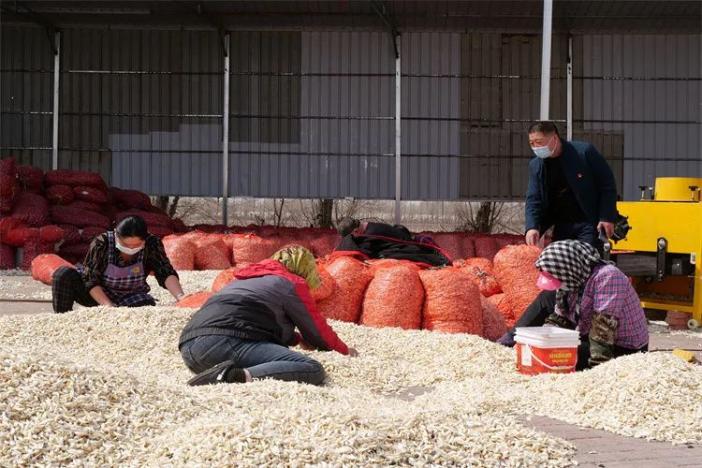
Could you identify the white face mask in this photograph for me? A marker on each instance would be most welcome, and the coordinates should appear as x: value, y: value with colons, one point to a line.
x: 127, y: 250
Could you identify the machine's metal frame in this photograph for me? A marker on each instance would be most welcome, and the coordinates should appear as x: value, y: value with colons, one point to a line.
x: 668, y: 230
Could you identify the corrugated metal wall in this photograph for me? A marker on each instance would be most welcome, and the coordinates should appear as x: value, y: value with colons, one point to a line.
x: 347, y: 109
x: 346, y: 116
x: 160, y: 113
x: 431, y: 111
x: 312, y: 113
x: 648, y: 89
x: 500, y: 86
x: 26, y: 95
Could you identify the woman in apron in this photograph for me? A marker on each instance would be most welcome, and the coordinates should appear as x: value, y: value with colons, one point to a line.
x: 115, y: 270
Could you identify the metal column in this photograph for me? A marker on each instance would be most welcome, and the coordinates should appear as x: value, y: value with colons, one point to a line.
x: 55, y: 127
x: 398, y: 135
x: 225, y: 134
x: 546, y: 60
x: 569, y: 91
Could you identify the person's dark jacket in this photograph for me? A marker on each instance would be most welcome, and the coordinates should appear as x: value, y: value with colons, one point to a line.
x: 265, y: 303
x: 589, y: 177
x: 380, y: 240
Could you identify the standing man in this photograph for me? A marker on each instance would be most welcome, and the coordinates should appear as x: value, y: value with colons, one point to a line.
x: 571, y: 187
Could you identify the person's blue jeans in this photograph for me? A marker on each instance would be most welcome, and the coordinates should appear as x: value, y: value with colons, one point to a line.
x: 261, y: 358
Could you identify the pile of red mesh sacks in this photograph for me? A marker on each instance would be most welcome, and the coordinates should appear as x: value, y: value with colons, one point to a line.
x: 61, y: 212
x: 473, y: 296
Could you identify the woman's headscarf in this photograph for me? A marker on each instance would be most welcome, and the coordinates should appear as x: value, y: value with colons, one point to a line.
x: 300, y: 261
x: 571, y: 262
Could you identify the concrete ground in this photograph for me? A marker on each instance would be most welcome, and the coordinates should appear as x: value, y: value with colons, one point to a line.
x: 602, y: 449
x: 595, y: 448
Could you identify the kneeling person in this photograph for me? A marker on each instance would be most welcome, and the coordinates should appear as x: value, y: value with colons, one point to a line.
x: 594, y: 297
x: 243, y: 332
x: 115, y: 270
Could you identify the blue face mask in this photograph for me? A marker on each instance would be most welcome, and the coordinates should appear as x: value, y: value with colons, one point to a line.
x: 542, y: 152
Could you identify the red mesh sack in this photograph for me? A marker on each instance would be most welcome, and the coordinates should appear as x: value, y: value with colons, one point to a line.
x: 266, y: 231
x: 152, y: 219
x: 7, y: 224
x: 501, y: 303
x: 515, y: 270
x: 160, y: 231
x: 7, y: 257
x: 485, y: 247
x: 71, y: 234
x: 157, y: 210
x: 129, y: 198
x: 250, y: 248
x: 20, y: 236
x: 179, y: 225
x: 31, y: 250
x: 180, y: 251
x: 352, y: 278
x: 484, y: 280
x: 503, y: 240
x: 8, y: 177
x: 452, y: 302
x: 90, y: 194
x: 210, y: 228
x: 30, y: 178
x: 60, y: 194
x: 451, y: 243
x: 32, y: 209
x: 394, y: 298
x: 494, y: 325
x: 43, y: 267
x: 211, y: 253
x: 88, y: 233
x: 383, y: 263
x: 468, y: 247
x: 327, y: 286
x: 110, y: 211
x: 88, y: 206
x: 482, y: 263
x: 75, y: 252
x: 226, y: 276
x: 77, y: 217
x: 194, y: 300
x: 228, y: 240
x: 324, y: 243
x: 74, y: 178
x: 50, y: 234
x: 6, y: 205
x: 303, y: 237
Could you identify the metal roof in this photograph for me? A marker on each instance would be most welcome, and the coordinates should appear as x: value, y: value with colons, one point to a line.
x: 618, y: 16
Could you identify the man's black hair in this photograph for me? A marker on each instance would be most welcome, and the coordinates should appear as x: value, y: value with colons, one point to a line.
x: 544, y: 126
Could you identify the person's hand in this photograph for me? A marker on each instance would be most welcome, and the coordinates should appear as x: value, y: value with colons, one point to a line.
x: 353, y: 352
x: 608, y: 228
x: 532, y: 237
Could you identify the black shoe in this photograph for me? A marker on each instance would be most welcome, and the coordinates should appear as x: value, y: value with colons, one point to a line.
x: 224, y: 372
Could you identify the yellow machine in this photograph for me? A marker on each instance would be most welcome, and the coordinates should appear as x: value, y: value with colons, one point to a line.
x: 663, y: 248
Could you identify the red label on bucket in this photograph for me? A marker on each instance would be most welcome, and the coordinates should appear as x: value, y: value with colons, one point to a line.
x: 533, y: 360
